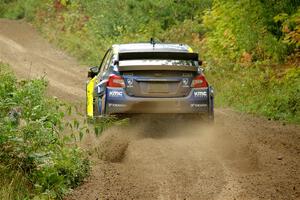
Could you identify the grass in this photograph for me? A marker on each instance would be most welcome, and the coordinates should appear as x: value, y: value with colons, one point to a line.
x: 257, y: 90
x: 14, y: 185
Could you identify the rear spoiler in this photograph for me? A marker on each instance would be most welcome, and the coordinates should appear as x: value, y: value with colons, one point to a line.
x: 158, y: 68
x: 158, y: 55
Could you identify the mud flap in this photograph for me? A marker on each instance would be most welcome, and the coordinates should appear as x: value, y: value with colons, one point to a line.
x: 90, y: 97
x: 211, y: 113
x: 99, y: 109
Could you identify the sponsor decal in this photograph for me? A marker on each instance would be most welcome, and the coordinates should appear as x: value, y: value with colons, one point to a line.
x: 113, y: 105
x: 115, y: 93
x: 200, y: 93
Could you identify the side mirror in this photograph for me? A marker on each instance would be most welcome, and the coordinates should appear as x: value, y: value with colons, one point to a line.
x: 200, y: 62
x: 93, y: 72
x: 116, y: 62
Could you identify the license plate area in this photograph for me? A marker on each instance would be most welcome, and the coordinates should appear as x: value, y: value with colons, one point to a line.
x: 158, y: 88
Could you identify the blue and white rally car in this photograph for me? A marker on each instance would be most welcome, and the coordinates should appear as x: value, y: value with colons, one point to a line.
x: 144, y: 78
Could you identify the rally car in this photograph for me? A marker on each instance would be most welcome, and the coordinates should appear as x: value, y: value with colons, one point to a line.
x: 144, y: 78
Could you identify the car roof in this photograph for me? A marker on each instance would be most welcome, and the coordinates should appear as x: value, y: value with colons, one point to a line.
x: 148, y: 47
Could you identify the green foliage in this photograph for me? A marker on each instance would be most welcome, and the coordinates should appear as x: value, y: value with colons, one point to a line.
x: 240, y: 29
x: 104, y: 123
x: 290, y: 28
x: 14, y: 185
x: 259, y: 90
x: 30, y: 140
x: 97, y: 24
x: 241, y: 42
x: 18, y: 9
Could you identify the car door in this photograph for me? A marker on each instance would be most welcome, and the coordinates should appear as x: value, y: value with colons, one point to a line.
x: 92, y: 89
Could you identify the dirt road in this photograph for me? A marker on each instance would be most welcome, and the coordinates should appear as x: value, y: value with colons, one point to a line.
x: 241, y: 157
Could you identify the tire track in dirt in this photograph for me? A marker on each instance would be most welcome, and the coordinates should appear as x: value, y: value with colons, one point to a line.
x: 241, y: 157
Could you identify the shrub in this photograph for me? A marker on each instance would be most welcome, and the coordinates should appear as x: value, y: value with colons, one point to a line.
x: 18, y: 9
x: 239, y: 28
x: 30, y: 139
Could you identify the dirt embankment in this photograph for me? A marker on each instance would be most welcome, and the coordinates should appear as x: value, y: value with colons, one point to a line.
x: 241, y: 157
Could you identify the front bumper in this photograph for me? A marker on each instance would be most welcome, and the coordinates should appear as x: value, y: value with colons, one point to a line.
x: 118, y: 102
